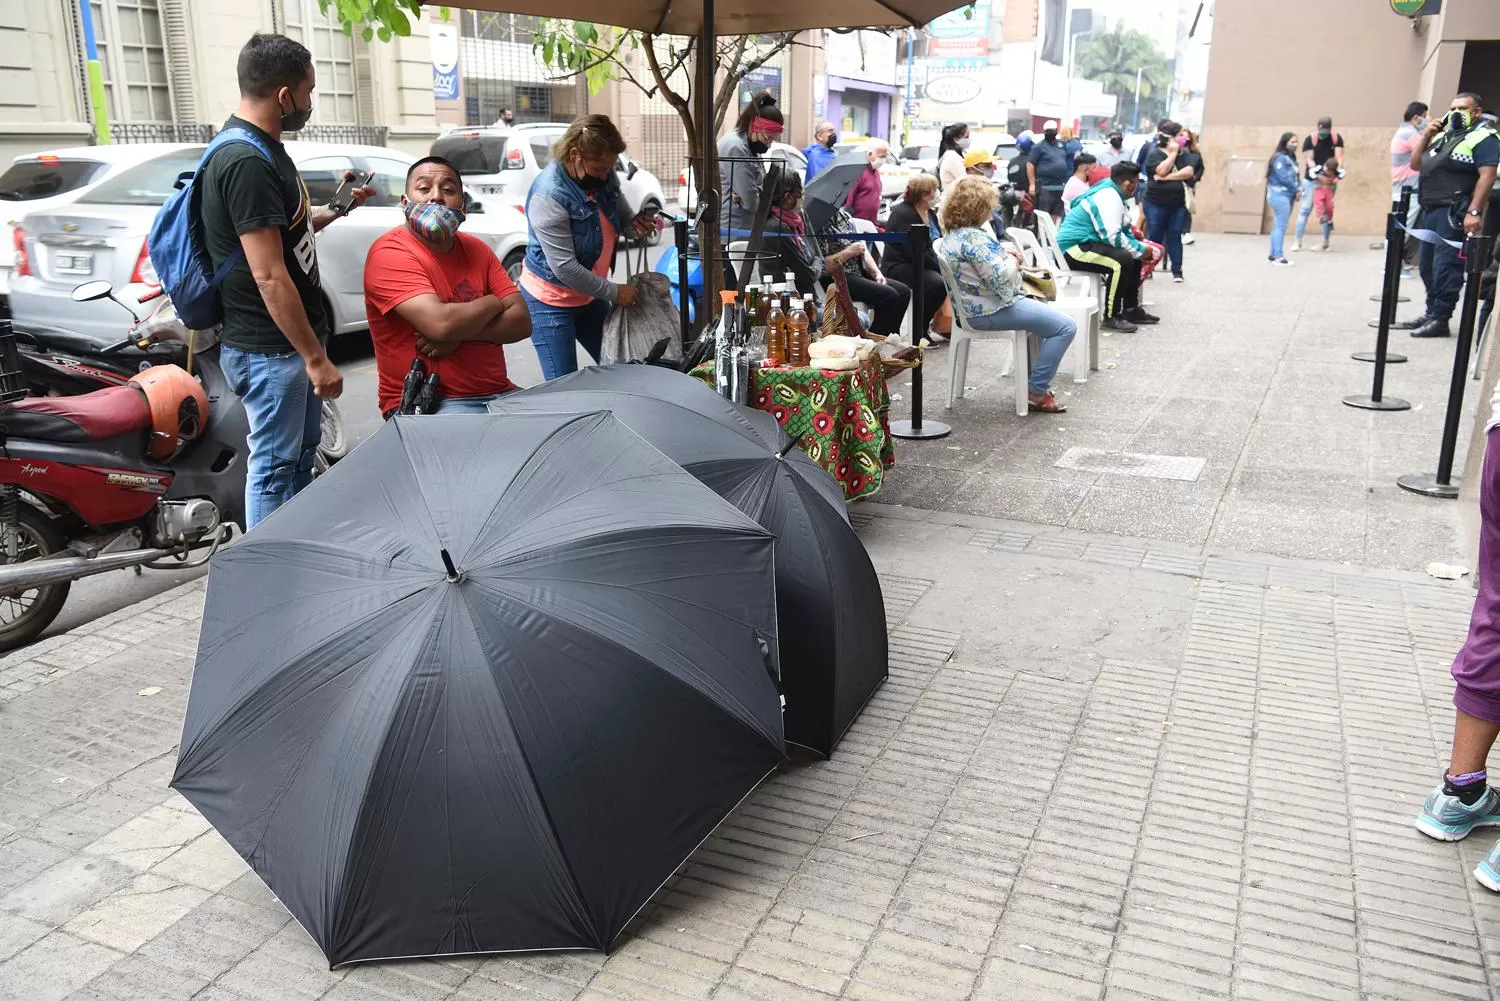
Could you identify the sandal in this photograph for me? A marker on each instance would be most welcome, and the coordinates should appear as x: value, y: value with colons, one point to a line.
x: 1048, y: 405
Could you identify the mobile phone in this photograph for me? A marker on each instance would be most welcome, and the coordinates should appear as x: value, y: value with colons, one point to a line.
x: 343, y: 199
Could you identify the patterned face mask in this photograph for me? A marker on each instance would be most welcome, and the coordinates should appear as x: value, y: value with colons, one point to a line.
x: 432, y: 221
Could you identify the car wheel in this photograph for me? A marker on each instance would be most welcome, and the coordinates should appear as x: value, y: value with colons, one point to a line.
x: 513, y: 262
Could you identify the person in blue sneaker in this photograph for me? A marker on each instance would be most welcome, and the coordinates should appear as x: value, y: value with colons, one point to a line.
x: 1464, y: 801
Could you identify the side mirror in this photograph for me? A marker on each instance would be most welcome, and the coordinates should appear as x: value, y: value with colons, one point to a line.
x: 631, y: 171
x: 92, y: 291
x: 475, y: 208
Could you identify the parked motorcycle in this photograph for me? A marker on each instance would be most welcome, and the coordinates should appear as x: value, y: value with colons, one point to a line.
x: 62, y: 363
x: 92, y: 483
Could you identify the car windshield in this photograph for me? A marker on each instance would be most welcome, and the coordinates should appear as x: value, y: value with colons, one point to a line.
x: 46, y: 176
x: 919, y: 153
x: 149, y: 183
x: 472, y: 152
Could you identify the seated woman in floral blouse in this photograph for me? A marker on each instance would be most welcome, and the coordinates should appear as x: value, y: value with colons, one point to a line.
x: 989, y: 286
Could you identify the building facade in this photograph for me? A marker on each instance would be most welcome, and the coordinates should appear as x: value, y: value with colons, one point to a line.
x: 169, y: 70
x: 1266, y: 79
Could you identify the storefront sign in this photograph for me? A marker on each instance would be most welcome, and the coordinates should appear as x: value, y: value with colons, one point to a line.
x: 442, y: 39
x: 1417, y: 8
x: 959, y: 48
x: 952, y: 89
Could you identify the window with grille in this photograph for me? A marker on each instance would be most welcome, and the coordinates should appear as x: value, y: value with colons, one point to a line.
x: 501, y: 71
x: 336, y: 99
x: 134, y: 60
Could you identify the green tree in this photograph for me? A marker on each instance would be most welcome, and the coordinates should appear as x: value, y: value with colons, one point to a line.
x: 381, y: 19
x: 1113, y: 58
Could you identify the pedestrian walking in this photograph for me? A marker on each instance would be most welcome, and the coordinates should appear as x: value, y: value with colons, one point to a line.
x: 1165, y: 200
x: 1282, y: 187
x: 1322, y: 147
x: 952, y: 148
x: 1456, y: 156
x: 258, y: 220
x: 820, y: 154
x: 574, y: 221
x: 1047, y: 171
x: 1404, y: 177
x: 434, y: 293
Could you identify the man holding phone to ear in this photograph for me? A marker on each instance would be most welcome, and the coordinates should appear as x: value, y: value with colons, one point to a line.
x: 275, y: 323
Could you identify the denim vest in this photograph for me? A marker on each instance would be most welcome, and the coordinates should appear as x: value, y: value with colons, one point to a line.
x: 583, y: 216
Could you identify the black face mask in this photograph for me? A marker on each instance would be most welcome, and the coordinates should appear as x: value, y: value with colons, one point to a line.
x: 1116, y: 142
x: 759, y: 148
x: 294, y: 120
x: 588, y: 182
x: 831, y: 140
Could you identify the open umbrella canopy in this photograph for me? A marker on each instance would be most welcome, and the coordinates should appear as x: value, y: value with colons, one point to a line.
x: 830, y: 614
x: 483, y: 687
x: 730, y: 17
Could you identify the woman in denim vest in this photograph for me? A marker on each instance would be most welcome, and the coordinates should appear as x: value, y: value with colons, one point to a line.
x: 573, y: 213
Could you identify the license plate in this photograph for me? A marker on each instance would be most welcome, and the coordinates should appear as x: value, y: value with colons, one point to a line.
x: 73, y: 264
x: 491, y: 190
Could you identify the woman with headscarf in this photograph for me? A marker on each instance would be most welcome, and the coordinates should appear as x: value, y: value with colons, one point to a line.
x: 740, y: 171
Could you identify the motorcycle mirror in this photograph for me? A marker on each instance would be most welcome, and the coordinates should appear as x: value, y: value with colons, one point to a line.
x: 90, y: 291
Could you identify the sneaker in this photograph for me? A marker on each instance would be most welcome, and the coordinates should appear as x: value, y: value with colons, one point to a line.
x: 1139, y: 315
x: 1297, y: 245
x: 1282, y: 262
x: 1120, y: 325
x: 1177, y: 278
x: 1488, y: 870
x: 1446, y: 818
x: 1187, y: 238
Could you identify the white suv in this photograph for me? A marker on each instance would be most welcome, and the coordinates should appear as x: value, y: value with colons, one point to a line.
x: 501, y: 164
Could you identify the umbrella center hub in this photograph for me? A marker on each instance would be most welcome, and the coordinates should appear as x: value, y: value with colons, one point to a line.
x: 453, y: 575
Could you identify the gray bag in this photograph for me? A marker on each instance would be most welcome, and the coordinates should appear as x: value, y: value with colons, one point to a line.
x: 631, y: 332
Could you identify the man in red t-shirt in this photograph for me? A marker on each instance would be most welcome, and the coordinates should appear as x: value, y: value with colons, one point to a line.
x: 441, y: 294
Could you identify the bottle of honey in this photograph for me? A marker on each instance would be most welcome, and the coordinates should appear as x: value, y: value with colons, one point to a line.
x: 797, y: 326
x: 777, y: 345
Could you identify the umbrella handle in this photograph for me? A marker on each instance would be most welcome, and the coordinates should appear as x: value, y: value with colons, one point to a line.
x: 453, y: 574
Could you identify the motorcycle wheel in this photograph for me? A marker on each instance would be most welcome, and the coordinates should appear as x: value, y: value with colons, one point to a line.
x: 335, y: 440
x: 23, y: 616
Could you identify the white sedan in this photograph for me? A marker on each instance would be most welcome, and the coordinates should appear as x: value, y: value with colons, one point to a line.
x: 101, y: 234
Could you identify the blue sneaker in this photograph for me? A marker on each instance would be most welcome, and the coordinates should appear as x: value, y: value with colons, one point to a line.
x: 1446, y: 818
x: 1488, y: 871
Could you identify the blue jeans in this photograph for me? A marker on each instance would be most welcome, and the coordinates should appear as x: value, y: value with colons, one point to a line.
x: 1281, y: 210
x: 466, y: 404
x: 1442, y: 271
x: 286, y: 424
x: 1304, y: 209
x: 1164, y: 225
x: 1053, y: 327
x: 557, y: 331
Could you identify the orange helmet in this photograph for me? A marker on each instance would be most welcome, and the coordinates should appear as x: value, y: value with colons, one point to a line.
x: 179, y: 408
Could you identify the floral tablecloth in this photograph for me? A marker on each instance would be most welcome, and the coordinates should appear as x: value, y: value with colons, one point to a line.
x: 841, y: 419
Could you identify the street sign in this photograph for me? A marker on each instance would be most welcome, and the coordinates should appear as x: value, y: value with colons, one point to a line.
x: 1417, y: 8
x: 442, y: 41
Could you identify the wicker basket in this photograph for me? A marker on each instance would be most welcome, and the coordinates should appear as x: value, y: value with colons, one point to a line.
x: 839, y: 314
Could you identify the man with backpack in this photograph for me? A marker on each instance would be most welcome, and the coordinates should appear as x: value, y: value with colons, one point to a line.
x: 257, y: 228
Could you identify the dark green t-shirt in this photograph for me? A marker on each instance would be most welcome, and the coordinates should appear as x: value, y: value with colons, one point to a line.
x: 242, y: 191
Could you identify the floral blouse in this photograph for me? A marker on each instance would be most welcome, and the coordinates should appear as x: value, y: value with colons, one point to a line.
x: 988, y: 278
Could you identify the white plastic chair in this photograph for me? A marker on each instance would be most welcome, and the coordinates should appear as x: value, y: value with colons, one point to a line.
x: 958, y: 347
x: 1083, y: 308
x: 1090, y: 286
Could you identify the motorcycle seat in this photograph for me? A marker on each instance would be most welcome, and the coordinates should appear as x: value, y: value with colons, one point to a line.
x: 97, y: 416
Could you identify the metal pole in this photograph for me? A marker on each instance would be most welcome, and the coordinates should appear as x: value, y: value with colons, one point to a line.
x: 94, y: 74
x: 1390, y: 288
x: 684, y: 293
x: 1136, y: 123
x: 918, y: 239
x: 1476, y: 258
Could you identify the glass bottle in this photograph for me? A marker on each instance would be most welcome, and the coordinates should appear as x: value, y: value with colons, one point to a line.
x: 797, y: 325
x: 725, y: 336
x: 777, y: 348
x: 757, y: 337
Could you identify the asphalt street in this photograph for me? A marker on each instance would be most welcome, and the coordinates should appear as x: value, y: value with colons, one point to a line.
x: 106, y: 593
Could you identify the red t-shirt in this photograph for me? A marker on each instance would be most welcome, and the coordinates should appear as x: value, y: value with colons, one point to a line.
x: 394, y: 273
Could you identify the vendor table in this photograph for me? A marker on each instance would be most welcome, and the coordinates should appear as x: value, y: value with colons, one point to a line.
x: 839, y: 418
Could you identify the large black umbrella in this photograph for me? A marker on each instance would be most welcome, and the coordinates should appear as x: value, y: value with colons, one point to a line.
x: 483, y: 687
x: 830, y: 189
x: 831, y: 618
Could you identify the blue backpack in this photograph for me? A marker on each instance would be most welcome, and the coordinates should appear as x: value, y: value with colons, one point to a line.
x: 176, y: 246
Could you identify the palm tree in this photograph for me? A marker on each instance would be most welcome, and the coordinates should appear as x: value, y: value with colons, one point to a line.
x: 1113, y: 58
